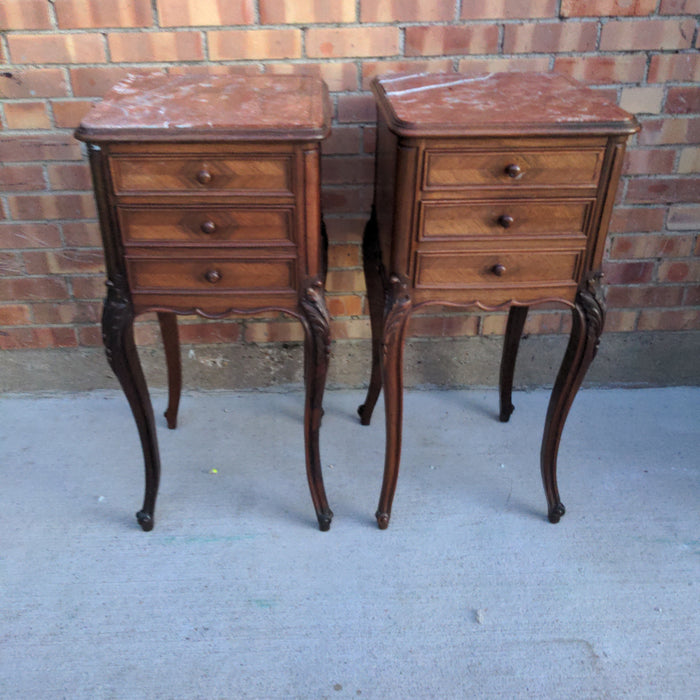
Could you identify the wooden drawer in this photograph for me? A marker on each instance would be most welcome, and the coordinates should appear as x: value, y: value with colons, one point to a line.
x: 458, y: 270
x: 510, y: 168
x: 206, y: 225
x: 500, y: 218
x: 211, y: 274
x: 270, y: 174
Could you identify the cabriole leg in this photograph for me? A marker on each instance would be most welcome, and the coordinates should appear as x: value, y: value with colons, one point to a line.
x: 588, y: 317
x: 118, y: 336
x: 171, y: 345
x: 511, y: 342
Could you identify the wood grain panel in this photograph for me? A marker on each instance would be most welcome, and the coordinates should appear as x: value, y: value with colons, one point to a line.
x: 205, y: 225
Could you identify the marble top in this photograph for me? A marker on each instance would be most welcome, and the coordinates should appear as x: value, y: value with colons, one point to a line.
x: 158, y: 106
x: 423, y: 104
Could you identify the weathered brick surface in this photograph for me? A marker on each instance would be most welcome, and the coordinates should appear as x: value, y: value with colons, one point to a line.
x: 56, y: 61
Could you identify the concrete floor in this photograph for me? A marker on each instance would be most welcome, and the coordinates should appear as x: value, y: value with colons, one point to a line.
x: 236, y: 594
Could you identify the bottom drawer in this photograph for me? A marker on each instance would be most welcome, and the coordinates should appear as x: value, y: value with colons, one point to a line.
x: 211, y: 275
x: 463, y: 270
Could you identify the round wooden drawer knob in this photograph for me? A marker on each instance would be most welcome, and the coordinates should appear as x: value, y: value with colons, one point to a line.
x: 499, y: 270
x: 505, y: 221
x: 204, y: 176
x: 212, y: 276
x: 208, y: 227
x: 513, y: 170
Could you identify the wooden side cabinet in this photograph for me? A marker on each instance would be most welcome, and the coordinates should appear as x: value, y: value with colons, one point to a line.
x: 208, y: 191
x: 491, y: 192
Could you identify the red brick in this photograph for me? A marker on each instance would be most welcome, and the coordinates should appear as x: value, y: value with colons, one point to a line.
x: 620, y: 321
x: 81, y: 234
x: 649, y: 161
x: 663, y: 190
x: 273, y: 331
x: 344, y: 305
x: 345, y: 229
x: 508, y: 9
x: 356, y: 328
x: 14, y: 315
x: 69, y: 114
x: 39, y: 148
x: 52, y: 206
x: 352, y: 42
x: 679, y: 7
x: 692, y: 296
x: 235, y: 44
x: 689, y: 161
x: 684, y: 217
x: 347, y: 200
x: 56, y: 48
x: 549, y: 37
x: 27, y: 115
x: 628, y: 272
x: 224, y: 331
x: 210, y: 13
x: 669, y: 131
x: 607, y: 8
x: 637, y: 219
x: 356, y: 108
x: 371, y: 69
x: 90, y: 336
x: 343, y: 256
x: 451, y: 40
x: 11, y: 264
x: 638, y: 296
x: 67, y: 313
x: 603, y: 69
x: 32, y: 288
x: 65, y: 261
x: 73, y: 176
x: 537, y: 64
x: 543, y: 323
x: 407, y: 11
x: 25, y: 14
x: 38, y: 338
x: 21, y: 178
x: 668, y: 320
x: 679, y: 271
x: 88, y: 14
x: 683, y: 100
x: 369, y: 139
x: 29, y: 236
x: 630, y: 247
x: 96, y: 82
x: 306, y: 11
x: 651, y: 34
x: 89, y: 288
x: 348, y: 170
x: 443, y: 326
x: 33, y: 82
x: 344, y: 140
x: 142, y: 47
x: 339, y: 76
x: 681, y: 67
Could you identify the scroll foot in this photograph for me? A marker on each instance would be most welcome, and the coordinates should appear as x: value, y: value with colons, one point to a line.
x: 324, y: 520
x: 365, y: 414
x: 506, y: 413
x: 145, y: 520
x: 556, y: 512
x: 382, y: 520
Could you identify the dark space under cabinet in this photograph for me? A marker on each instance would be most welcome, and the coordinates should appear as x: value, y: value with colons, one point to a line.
x: 492, y: 193
x: 208, y: 191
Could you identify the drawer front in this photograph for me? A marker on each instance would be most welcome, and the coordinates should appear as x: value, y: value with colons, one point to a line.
x: 262, y: 173
x: 456, y: 221
x: 458, y: 270
x: 211, y: 275
x: 515, y: 168
x: 206, y: 225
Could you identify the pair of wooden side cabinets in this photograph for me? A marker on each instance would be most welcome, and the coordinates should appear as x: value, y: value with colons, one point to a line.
x: 491, y: 192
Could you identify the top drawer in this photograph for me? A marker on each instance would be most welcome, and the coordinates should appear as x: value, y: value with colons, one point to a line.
x: 267, y: 174
x: 510, y: 168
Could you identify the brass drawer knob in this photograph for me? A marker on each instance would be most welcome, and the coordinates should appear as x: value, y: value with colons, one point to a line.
x: 505, y: 221
x: 204, y: 176
x: 499, y: 270
x: 208, y: 227
x: 212, y: 276
x: 513, y: 170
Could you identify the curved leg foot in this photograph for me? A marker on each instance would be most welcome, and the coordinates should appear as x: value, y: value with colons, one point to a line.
x: 171, y: 344
x: 511, y: 342
x: 588, y: 318
x: 374, y: 280
x: 396, y: 321
x: 118, y: 336
x: 317, y: 336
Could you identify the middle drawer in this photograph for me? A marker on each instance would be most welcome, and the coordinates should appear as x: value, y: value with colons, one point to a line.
x: 206, y: 225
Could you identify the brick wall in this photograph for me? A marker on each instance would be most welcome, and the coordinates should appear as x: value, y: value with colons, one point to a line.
x: 58, y: 56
